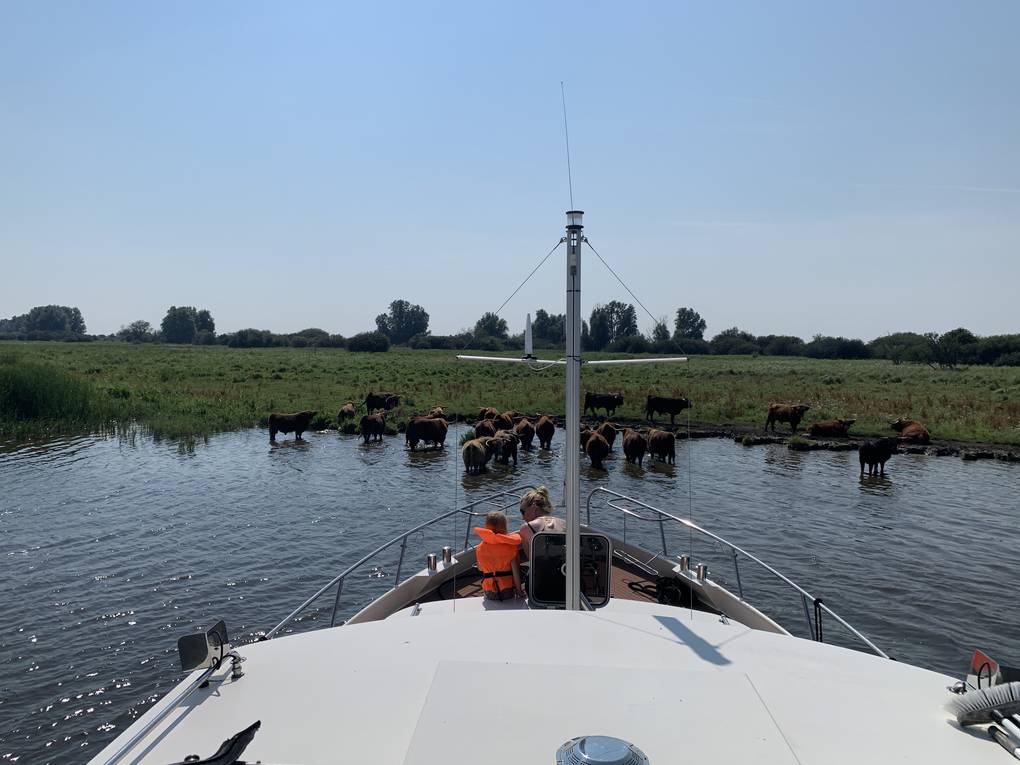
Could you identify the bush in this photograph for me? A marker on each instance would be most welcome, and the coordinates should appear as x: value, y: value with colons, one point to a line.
x: 629, y: 344
x: 822, y: 347
x: 1008, y: 360
x: 205, y: 337
x: 369, y: 342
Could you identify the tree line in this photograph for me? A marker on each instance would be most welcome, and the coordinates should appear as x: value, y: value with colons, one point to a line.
x: 610, y: 327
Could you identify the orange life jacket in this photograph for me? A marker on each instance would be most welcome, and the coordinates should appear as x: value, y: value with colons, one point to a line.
x: 494, y: 554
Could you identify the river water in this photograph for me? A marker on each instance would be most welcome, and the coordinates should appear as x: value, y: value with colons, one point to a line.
x: 113, y: 547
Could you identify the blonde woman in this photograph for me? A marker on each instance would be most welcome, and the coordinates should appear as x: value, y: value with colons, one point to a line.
x: 536, y: 510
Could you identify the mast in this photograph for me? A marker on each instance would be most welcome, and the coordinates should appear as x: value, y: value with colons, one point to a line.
x: 572, y: 479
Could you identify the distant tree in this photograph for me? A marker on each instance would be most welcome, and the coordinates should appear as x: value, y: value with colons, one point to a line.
x: 689, y: 324
x: 178, y: 326
x: 899, y: 347
x: 204, y: 322
x: 549, y: 328
x: 660, y: 332
x: 600, y: 330
x: 56, y: 319
x: 781, y: 345
x: 491, y: 325
x: 733, y: 341
x: 824, y: 347
x: 610, y: 322
x: 403, y: 321
x: 137, y: 332
x: 372, y: 342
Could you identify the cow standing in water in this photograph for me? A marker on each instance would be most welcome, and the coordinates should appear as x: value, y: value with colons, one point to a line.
x: 296, y: 423
x: 875, y: 454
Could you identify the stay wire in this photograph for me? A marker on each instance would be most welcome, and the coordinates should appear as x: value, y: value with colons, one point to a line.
x: 629, y: 290
x: 519, y: 286
x: 566, y: 138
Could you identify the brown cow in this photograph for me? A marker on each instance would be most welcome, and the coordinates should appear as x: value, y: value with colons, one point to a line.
x: 545, y: 430
x: 662, y: 444
x: 526, y: 432
x: 791, y: 413
x: 296, y: 423
x: 373, y: 426
x: 504, y: 446
x: 830, y: 428
x: 608, y: 431
x: 911, y: 430
x: 487, y: 413
x: 485, y: 428
x: 476, y: 453
x: 876, y: 453
x: 427, y: 429
x: 597, y: 450
x: 634, y: 446
x: 586, y: 433
x: 504, y: 421
x: 437, y: 411
x: 346, y: 412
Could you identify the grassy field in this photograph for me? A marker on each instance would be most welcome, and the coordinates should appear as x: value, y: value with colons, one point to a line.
x: 191, y: 390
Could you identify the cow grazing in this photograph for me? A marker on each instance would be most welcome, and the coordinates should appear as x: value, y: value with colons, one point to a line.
x: 504, y: 421
x: 504, y: 446
x: 634, y: 446
x: 830, y: 428
x: 662, y: 444
x: 663, y: 405
x: 372, y: 426
x: 487, y: 413
x: 608, y: 431
x: 526, y: 432
x: 346, y: 412
x: 476, y: 453
x: 545, y: 430
x: 607, y: 401
x: 427, y: 429
x: 791, y: 413
x: 296, y: 423
x: 875, y: 454
x: 485, y: 428
x: 597, y: 449
x: 911, y: 430
x: 385, y: 401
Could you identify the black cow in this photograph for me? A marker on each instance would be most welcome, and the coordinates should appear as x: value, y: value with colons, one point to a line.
x: 296, y: 423
x: 607, y: 401
x: 663, y: 405
x: 876, y: 453
x: 385, y: 401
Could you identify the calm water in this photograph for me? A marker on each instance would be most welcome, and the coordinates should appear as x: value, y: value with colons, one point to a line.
x: 110, y: 549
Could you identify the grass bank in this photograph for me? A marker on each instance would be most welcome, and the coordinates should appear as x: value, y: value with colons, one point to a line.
x: 194, y: 390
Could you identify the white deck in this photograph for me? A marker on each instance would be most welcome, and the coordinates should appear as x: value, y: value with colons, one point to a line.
x: 505, y: 685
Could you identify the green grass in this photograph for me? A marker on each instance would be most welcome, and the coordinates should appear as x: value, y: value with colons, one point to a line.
x: 192, y: 390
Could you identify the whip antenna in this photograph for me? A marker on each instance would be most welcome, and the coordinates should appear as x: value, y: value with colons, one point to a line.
x: 566, y: 136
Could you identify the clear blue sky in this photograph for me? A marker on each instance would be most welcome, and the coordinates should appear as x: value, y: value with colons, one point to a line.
x: 785, y: 167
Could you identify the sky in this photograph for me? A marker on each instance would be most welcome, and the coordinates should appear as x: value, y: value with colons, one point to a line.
x: 785, y: 167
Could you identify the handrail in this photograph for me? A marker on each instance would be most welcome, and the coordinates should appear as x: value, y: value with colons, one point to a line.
x: 813, y: 628
x: 338, y: 580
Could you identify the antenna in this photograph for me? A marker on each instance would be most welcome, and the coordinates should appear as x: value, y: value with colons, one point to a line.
x: 566, y: 136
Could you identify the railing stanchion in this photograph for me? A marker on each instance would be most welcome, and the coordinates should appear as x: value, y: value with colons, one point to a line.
x: 736, y: 568
x: 807, y: 615
x: 400, y: 562
x: 336, y: 603
x: 662, y: 535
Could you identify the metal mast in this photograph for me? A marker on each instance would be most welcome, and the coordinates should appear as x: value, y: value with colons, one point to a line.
x: 572, y: 479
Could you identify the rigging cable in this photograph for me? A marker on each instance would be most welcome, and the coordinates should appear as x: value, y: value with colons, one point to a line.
x: 610, y: 268
x: 566, y: 137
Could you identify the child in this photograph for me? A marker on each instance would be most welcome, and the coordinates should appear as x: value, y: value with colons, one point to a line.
x: 497, y: 559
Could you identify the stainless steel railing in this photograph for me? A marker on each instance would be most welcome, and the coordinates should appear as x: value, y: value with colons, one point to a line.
x: 502, y: 500
x: 626, y: 506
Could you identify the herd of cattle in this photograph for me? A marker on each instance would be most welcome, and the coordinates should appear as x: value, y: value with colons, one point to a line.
x: 499, y: 435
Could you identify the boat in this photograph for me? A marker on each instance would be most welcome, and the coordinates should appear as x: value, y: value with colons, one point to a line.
x: 627, y: 650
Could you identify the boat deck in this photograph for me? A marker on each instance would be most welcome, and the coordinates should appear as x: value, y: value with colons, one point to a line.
x: 629, y: 582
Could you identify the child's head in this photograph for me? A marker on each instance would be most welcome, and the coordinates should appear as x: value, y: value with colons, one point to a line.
x: 496, y: 521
